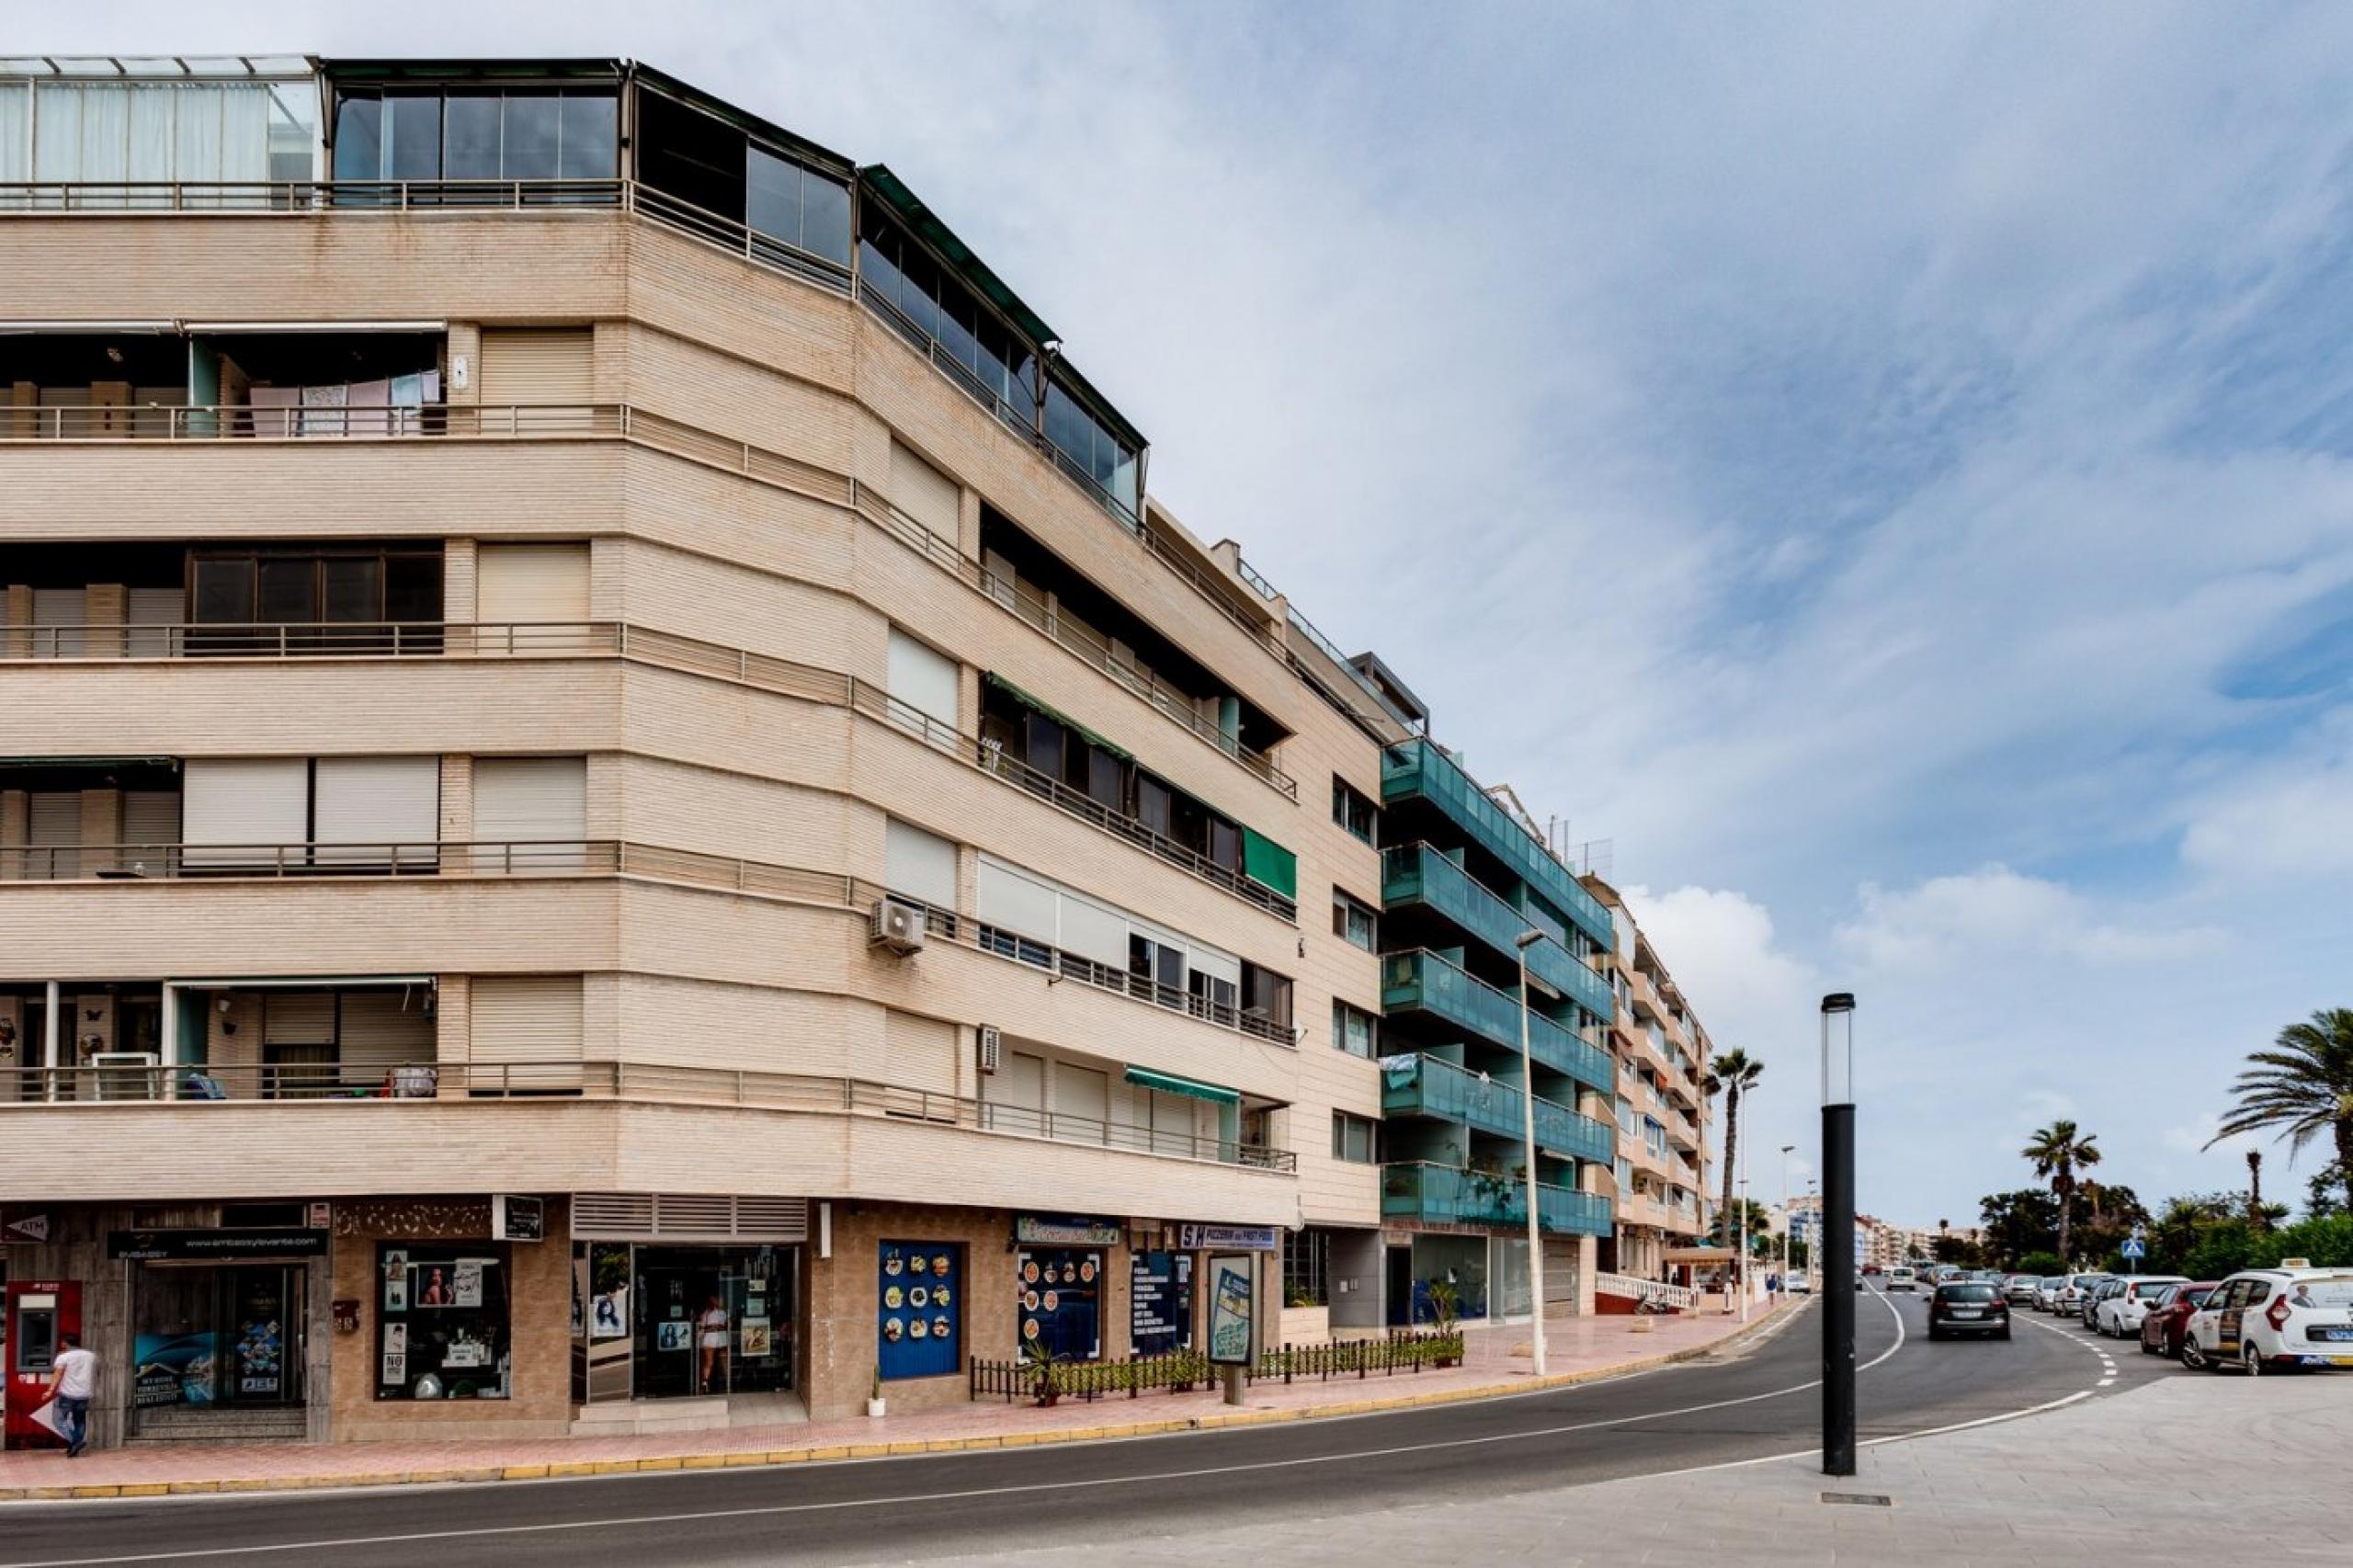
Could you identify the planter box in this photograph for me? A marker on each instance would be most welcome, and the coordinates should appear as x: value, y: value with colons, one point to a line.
x: 1304, y: 1325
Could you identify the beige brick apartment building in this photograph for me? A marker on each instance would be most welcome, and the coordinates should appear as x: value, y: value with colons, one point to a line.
x: 617, y: 810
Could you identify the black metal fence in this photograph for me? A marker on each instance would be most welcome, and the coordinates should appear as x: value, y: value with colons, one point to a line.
x: 1182, y: 1370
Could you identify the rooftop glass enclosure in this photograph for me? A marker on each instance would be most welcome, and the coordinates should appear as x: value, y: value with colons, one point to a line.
x: 72, y: 120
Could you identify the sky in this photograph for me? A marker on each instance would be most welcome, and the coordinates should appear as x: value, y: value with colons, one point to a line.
x: 1883, y: 469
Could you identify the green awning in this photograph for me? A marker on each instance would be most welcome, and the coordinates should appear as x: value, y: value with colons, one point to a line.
x: 1169, y: 1083
x: 1270, y: 864
x: 1059, y: 717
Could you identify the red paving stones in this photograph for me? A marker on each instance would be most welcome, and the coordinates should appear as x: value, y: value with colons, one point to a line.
x: 1496, y: 1361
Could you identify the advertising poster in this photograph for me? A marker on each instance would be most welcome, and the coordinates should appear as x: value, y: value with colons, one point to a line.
x: 465, y: 1282
x: 1230, y: 1275
x: 608, y: 1300
x: 396, y: 1281
x: 757, y: 1337
x: 1059, y: 1292
x: 174, y: 1368
x: 1160, y: 1302
x: 674, y: 1333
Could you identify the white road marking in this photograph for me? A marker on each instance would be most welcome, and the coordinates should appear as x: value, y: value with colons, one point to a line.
x: 966, y: 1495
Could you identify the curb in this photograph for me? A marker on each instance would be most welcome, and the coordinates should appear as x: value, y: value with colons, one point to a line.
x: 831, y: 1453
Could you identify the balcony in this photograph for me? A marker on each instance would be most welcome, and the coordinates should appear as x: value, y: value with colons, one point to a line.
x: 1416, y: 873
x: 1424, y: 1085
x: 1419, y: 769
x: 1445, y: 1195
x: 1422, y: 981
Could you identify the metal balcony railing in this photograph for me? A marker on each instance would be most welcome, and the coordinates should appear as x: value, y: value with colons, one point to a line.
x: 1426, y: 1085
x: 1449, y: 1195
x: 1055, y: 961
x: 1420, y: 768
x: 1419, y: 873
x: 245, y: 422
x: 414, y: 1083
x: 1426, y: 981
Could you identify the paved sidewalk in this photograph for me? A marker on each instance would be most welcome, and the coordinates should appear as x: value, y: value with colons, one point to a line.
x: 2181, y: 1472
x: 1496, y: 1362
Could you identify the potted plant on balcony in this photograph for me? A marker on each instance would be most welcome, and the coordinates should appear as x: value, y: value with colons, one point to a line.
x: 874, y: 1399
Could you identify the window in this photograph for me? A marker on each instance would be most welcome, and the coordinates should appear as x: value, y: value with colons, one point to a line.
x: 1354, y: 1031
x: 1355, y: 922
x: 1307, y: 1268
x: 1352, y: 1138
x: 922, y: 680
x: 1354, y: 811
x: 442, y: 1323
x: 1266, y: 995
x: 472, y: 133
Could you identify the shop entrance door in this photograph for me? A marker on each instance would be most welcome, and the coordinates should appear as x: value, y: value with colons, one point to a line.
x: 714, y: 1321
x: 221, y: 1336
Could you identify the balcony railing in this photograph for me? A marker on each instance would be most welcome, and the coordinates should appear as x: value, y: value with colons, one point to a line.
x: 1420, y: 768
x: 309, y: 640
x: 245, y: 422
x: 1426, y: 980
x: 416, y: 1084
x: 1425, y: 1086
x: 1419, y: 873
x: 1451, y: 1196
x: 1068, y: 965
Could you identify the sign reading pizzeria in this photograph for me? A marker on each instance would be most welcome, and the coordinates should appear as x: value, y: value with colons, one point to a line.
x: 1229, y: 1238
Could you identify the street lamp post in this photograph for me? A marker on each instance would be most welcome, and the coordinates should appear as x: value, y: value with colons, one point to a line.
x: 1740, y: 1264
x: 1838, y: 1233
x: 1785, y: 1150
x: 1528, y: 1133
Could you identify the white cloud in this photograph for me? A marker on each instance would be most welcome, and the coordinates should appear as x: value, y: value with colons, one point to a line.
x: 2292, y: 820
x: 1994, y: 912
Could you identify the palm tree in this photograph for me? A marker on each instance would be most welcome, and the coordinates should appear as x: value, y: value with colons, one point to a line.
x: 2058, y: 1153
x: 2303, y: 1088
x: 1732, y: 1073
x: 2255, y: 1214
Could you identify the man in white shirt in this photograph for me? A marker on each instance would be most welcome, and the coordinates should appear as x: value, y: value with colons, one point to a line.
x: 72, y: 1383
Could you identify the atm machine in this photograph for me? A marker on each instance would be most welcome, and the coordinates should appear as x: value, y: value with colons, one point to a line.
x: 37, y: 1313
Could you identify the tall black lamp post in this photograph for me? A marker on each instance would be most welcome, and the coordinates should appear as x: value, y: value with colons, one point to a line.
x: 1839, y: 1281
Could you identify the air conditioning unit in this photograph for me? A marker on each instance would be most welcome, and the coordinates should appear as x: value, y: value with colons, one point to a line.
x: 991, y: 1049
x: 898, y: 925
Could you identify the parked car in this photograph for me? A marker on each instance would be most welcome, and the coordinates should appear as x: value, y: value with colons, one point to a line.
x: 2046, y: 1294
x: 1901, y: 1277
x: 2018, y: 1289
x: 1968, y: 1306
x: 2069, y: 1301
x: 1797, y: 1284
x: 2088, y: 1306
x: 2120, y: 1312
x: 2162, y: 1324
x: 2294, y: 1316
x: 1870, y: 1269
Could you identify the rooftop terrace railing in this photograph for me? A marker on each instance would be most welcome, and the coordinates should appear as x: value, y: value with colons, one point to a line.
x: 413, y: 1084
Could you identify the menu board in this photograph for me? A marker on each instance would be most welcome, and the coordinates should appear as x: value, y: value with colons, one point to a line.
x: 919, y: 1307
x: 1059, y: 1305
x: 1160, y: 1302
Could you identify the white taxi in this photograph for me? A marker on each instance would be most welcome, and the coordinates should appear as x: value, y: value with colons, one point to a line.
x: 2294, y: 1316
x: 2118, y: 1315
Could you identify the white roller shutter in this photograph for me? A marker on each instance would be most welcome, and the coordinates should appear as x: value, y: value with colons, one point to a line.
x: 525, y: 1018
x: 247, y: 801
x: 151, y: 819
x: 1210, y: 961
x: 298, y: 1017
x: 922, y: 678
x: 64, y: 611
x: 385, y: 1029
x: 530, y: 585
x: 1082, y: 1103
x: 921, y: 865
x: 923, y: 492
x: 538, y: 804
x: 367, y: 807
x: 154, y: 608
x: 1015, y: 902
x: 55, y: 828
x: 538, y: 366
x: 1092, y: 931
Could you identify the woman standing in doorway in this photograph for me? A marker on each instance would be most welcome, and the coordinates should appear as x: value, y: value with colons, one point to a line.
x: 713, y: 1339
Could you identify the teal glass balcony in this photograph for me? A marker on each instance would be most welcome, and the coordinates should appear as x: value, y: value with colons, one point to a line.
x: 1424, y: 1085
x: 1445, y: 1195
x: 1422, y: 980
x: 1416, y: 873
x: 1418, y: 767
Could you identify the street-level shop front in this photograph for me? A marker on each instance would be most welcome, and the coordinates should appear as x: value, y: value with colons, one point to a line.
x: 219, y: 1328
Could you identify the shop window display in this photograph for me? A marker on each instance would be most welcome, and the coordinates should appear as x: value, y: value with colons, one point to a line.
x: 1061, y: 1301
x: 442, y: 1322
x: 920, y: 1300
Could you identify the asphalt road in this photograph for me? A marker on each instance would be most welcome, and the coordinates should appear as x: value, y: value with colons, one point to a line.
x: 1757, y: 1400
